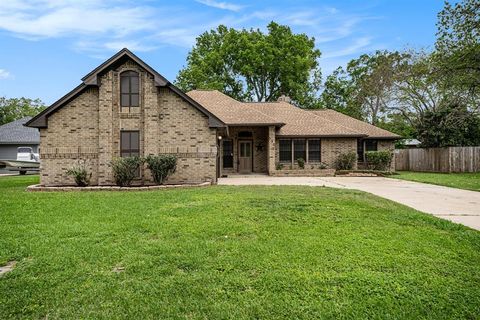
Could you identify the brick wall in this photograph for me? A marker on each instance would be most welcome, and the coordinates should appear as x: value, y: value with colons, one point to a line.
x: 71, y: 136
x: 333, y: 147
x: 388, y: 145
x: 89, y: 128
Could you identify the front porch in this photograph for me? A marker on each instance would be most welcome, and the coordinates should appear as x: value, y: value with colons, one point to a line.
x: 246, y: 150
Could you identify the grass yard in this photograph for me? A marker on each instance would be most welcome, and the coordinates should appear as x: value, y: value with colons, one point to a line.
x: 231, y: 253
x: 468, y: 181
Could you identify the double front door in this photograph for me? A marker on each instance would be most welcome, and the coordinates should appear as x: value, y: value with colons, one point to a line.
x: 245, y: 156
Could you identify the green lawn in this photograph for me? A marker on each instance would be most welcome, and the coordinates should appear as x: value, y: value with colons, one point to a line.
x: 469, y: 181
x: 231, y: 253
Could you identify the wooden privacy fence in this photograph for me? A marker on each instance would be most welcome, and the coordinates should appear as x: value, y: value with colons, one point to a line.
x: 449, y: 159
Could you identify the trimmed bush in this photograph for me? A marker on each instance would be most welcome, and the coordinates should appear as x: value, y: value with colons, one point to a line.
x: 80, y: 174
x: 301, y: 163
x: 125, y: 169
x: 161, y: 166
x: 379, y: 160
x: 346, y: 161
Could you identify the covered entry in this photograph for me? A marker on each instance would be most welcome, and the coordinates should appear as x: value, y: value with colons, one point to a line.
x: 244, y: 150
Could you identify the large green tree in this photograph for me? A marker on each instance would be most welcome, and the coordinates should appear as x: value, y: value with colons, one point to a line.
x: 452, y: 125
x: 339, y: 94
x: 364, y: 89
x: 17, y: 108
x: 252, y: 65
x: 458, y: 45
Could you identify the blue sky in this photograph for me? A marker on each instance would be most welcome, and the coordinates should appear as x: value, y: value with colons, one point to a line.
x: 46, y: 46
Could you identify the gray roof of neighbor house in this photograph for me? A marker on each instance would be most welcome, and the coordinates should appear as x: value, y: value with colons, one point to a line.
x: 91, y: 79
x: 16, y: 133
x: 291, y: 120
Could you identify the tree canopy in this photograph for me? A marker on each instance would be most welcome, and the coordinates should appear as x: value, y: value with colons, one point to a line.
x: 458, y: 44
x: 17, y: 108
x: 431, y: 95
x: 254, y: 66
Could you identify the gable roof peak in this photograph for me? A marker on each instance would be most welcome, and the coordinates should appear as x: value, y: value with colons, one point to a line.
x: 91, y: 80
x: 92, y: 77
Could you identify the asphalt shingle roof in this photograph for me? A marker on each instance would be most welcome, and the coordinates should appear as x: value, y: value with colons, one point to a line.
x: 291, y: 120
x: 355, y: 124
x: 15, y: 132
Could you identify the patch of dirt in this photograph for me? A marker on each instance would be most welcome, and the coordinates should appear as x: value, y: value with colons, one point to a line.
x: 8, y: 267
x: 118, y: 269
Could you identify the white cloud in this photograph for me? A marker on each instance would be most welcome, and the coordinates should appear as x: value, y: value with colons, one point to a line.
x: 53, y: 19
x: 4, y: 74
x: 99, y: 27
x: 358, y: 45
x: 221, y: 5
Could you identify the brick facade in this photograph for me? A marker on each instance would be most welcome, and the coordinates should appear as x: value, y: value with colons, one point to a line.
x: 388, y: 145
x: 88, y: 129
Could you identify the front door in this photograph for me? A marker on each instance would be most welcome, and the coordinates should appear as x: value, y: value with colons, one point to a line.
x: 245, y: 157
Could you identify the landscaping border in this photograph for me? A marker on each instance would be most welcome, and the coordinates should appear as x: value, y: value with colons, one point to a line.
x: 40, y: 188
x: 363, y: 173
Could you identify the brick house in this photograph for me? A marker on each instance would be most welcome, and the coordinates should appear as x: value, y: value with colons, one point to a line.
x: 124, y: 108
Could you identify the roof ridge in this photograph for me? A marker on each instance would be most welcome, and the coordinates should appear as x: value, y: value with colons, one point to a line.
x: 262, y: 113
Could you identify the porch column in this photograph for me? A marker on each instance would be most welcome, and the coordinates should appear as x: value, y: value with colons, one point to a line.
x: 271, y: 150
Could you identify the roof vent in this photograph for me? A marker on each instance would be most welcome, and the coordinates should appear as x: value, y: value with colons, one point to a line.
x: 284, y: 98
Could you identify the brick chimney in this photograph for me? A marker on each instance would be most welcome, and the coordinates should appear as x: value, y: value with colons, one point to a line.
x: 284, y: 98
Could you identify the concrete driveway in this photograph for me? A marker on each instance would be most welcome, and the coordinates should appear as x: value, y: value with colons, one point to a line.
x: 460, y: 206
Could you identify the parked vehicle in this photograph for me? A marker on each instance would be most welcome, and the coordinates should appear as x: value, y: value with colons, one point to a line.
x: 26, y: 160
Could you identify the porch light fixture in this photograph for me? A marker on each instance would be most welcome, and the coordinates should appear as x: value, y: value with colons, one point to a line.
x: 219, y: 137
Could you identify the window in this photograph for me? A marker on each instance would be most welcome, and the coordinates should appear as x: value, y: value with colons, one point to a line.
x: 227, y: 154
x: 299, y: 149
x: 129, y: 89
x: 245, y: 149
x: 314, y: 150
x: 360, y: 149
x: 129, y: 143
x: 370, y: 145
x: 285, y: 150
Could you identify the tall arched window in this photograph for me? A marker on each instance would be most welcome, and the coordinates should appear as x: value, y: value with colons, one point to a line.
x: 129, y: 89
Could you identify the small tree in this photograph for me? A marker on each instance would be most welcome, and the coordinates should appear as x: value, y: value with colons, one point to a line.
x: 80, y: 174
x: 161, y: 166
x: 125, y: 169
x: 346, y: 161
x: 379, y: 160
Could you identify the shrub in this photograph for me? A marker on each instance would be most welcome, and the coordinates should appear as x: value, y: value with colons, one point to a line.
x: 379, y: 160
x: 301, y: 163
x: 161, y: 166
x: 346, y: 161
x: 279, y: 166
x: 80, y: 174
x: 125, y: 169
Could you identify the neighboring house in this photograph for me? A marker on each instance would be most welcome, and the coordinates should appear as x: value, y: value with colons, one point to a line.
x: 411, y: 143
x: 125, y: 108
x: 14, y: 135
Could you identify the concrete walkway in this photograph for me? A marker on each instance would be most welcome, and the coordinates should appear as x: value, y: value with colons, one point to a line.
x: 460, y: 206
